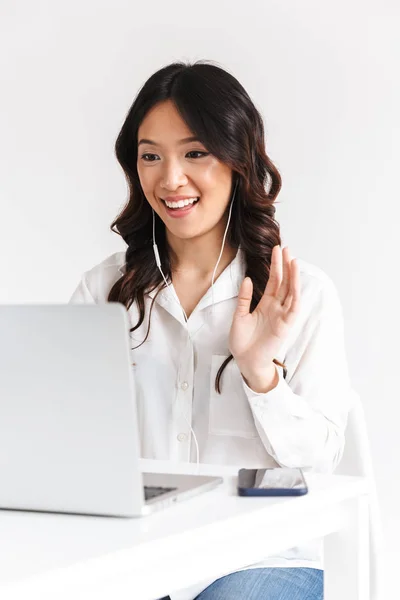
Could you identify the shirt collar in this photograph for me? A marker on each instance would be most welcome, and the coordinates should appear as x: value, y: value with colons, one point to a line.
x: 226, y: 286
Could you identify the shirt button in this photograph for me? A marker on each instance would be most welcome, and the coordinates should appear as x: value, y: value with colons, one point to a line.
x: 182, y: 437
x: 184, y: 385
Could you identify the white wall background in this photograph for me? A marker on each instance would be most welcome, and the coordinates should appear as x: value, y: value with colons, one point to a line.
x: 325, y: 76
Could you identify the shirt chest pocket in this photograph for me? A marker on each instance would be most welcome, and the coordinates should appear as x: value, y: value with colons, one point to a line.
x: 229, y: 412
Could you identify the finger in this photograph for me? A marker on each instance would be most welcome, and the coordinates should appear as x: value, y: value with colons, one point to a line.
x: 295, y: 286
x: 244, y: 297
x: 275, y: 272
x: 284, y: 289
x: 292, y: 302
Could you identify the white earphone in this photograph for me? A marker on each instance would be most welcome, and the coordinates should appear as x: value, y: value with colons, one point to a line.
x: 158, y: 261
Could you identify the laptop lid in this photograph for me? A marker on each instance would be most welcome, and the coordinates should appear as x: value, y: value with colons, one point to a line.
x: 69, y: 438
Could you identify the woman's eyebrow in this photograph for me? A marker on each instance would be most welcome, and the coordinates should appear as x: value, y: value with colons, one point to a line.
x: 183, y: 141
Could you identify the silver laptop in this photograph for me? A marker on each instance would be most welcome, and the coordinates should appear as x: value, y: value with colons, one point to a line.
x: 69, y: 439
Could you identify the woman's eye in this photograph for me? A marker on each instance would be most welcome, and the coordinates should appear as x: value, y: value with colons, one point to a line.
x: 199, y: 152
x: 192, y: 152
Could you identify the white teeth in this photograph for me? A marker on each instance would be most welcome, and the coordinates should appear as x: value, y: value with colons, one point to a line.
x: 181, y: 203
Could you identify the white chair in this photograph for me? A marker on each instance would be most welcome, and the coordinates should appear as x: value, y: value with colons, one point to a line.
x: 357, y: 460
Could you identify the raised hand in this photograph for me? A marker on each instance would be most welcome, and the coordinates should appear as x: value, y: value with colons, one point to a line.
x: 255, y: 338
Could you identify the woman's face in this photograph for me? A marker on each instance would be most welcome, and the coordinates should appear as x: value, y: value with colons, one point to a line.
x: 172, y: 167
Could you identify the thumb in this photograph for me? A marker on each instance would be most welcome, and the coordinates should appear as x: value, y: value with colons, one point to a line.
x: 244, y: 297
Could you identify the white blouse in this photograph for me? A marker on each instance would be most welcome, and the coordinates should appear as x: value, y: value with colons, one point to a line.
x: 299, y: 423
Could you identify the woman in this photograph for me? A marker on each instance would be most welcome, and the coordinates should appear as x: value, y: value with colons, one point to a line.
x: 240, y: 356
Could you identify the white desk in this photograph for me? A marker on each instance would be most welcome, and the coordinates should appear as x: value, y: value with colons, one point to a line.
x: 55, y: 556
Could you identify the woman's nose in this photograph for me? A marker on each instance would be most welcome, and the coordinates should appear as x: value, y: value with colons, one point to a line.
x: 173, y: 176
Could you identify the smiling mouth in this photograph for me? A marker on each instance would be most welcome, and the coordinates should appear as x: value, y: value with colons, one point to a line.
x: 180, y: 207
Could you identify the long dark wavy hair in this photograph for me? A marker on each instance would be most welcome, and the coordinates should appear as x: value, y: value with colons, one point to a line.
x: 218, y: 110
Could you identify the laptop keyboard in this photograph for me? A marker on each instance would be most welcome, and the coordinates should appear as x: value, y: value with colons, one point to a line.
x: 152, y: 492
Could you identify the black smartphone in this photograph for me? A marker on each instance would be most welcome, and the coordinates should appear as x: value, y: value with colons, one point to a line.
x: 278, y: 481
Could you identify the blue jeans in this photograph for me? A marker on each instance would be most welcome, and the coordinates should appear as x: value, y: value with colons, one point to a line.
x: 267, y: 583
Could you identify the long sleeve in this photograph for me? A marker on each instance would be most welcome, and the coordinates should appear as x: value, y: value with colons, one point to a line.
x: 302, y: 421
